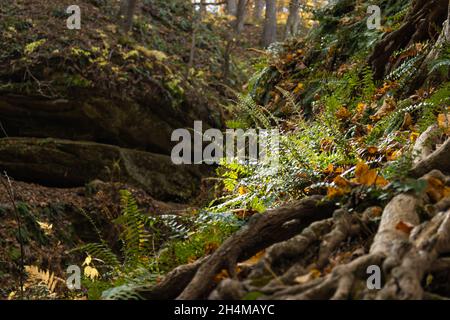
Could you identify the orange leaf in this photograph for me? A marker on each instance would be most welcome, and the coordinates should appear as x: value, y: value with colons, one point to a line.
x: 313, y: 274
x: 329, y: 169
x: 436, y: 189
x: 342, y: 187
x: 342, y: 182
x: 372, y: 150
x: 366, y: 176
x: 253, y: 260
x: 444, y: 122
x: 343, y: 113
x: 404, y: 227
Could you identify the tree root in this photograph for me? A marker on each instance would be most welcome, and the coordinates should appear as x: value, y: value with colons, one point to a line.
x: 304, y: 244
x: 261, y: 232
x: 419, y: 25
x: 439, y: 160
x: 404, y: 248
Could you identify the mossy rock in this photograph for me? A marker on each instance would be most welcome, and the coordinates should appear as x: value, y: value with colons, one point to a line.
x: 64, y: 163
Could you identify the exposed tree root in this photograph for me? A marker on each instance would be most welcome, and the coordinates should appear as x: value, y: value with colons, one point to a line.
x: 424, y: 144
x: 419, y: 25
x: 172, y: 284
x: 261, y: 232
x: 439, y: 160
x: 404, y: 255
x: 303, y: 241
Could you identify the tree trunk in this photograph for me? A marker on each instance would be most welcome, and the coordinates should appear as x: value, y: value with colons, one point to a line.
x: 232, y: 7
x: 240, y: 16
x: 270, y: 23
x: 258, y: 10
x: 128, y: 8
x: 202, y: 8
x: 293, y: 19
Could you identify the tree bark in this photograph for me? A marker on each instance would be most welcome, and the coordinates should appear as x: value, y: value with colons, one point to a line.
x: 419, y: 25
x: 240, y: 16
x: 293, y: 19
x: 258, y: 10
x: 232, y: 7
x: 270, y: 24
x: 127, y: 10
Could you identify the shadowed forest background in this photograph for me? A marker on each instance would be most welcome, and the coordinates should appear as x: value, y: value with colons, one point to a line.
x: 88, y: 183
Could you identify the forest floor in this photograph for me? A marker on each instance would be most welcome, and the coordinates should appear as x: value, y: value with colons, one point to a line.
x: 363, y: 181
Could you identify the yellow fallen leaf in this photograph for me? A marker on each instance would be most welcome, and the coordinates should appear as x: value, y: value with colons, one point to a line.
x: 343, y: 113
x: 368, y: 177
x: 392, y: 155
x: 242, y: 190
x: 91, y: 272
x: 313, y: 274
x: 361, y: 107
x: 253, y: 260
x: 444, y: 122
x: 299, y: 88
x: 47, y: 228
x: 87, y: 261
x: 413, y: 137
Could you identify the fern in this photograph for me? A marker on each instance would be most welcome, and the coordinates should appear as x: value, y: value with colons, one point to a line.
x: 37, y: 276
x: 246, y: 106
x: 441, y: 65
x: 135, y: 236
x: 101, y: 252
x: 405, y: 70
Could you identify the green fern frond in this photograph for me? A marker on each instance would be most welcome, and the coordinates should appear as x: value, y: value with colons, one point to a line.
x: 101, y: 252
x: 135, y: 236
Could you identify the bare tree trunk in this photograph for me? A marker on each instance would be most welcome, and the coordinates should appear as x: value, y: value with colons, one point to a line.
x: 196, y: 21
x: 270, y: 24
x: 128, y: 8
x: 232, y: 7
x: 258, y: 10
x: 293, y: 19
x: 240, y: 16
x: 202, y: 9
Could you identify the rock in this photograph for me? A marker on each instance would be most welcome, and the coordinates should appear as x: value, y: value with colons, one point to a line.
x: 145, y: 124
x: 64, y: 163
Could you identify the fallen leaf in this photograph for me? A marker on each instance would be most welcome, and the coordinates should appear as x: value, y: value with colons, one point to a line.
x: 91, y: 272
x: 436, y: 189
x: 313, y: 274
x: 387, y: 107
x: 343, y: 113
x: 444, y: 122
x: 372, y: 150
x: 404, y: 227
x: 368, y: 177
x: 253, y: 260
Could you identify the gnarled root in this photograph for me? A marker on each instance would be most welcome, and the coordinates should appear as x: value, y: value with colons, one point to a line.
x: 261, y: 232
x: 439, y: 159
x: 404, y: 249
x: 312, y: 251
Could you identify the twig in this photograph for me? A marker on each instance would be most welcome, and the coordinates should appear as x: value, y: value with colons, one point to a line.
x: 9, y: 190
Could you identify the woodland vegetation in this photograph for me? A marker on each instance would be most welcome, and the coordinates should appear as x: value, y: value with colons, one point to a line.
x: 88, y: 183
